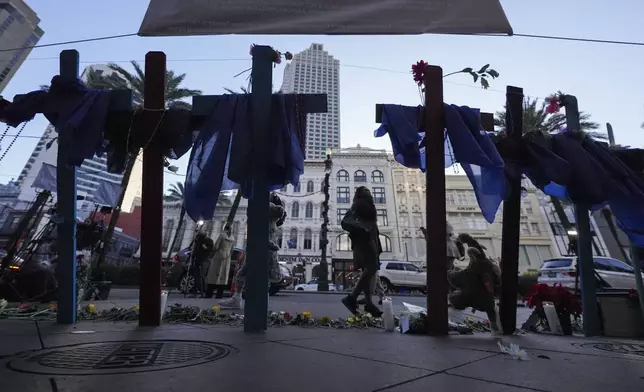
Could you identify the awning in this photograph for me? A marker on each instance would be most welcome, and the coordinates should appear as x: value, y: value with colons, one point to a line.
x: 324, y: 17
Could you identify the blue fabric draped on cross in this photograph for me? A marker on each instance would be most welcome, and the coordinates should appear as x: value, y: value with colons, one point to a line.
x: 71, y: 108
x: 82, y: 114
x: 222, y: 154
x: 599, y: 178
x: 473, y: 149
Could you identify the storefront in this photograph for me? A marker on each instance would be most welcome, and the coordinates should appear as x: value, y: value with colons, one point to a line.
x: 343, y: 273
x: 304, y: 268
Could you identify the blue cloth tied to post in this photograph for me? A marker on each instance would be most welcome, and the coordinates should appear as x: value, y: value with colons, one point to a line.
x: 473, y: 149
x: 222, y: 155
x: 572, y: 166
x: 78, y: 113
x: 82, y: 120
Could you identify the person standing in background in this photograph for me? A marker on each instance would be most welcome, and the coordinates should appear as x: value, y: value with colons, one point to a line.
x: 201, y: 253
x: 217, y: 277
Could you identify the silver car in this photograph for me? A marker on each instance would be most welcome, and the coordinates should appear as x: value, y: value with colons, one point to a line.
x: 562, y: 270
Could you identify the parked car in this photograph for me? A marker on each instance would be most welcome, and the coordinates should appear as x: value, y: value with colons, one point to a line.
x: 611, y: 273
x: 179, y: 278
x: 396, y: 275
x: 312, y: 286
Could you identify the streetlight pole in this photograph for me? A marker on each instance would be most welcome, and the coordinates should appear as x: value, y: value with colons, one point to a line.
x: 323, y: 278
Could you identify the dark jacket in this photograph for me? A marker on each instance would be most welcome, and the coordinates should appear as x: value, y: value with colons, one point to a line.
x: 364, y: 235
x: 204, y: 248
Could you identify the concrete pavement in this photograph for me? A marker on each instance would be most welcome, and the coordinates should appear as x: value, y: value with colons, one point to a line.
x: 171, y: 358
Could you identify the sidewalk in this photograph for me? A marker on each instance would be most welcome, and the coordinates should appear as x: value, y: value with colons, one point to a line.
x: 171, y: 358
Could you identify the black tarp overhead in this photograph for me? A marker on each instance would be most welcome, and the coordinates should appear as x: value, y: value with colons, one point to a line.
x: 324, y: 17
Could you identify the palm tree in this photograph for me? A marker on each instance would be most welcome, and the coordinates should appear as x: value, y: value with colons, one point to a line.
x: 121, y: 79
x: 176, y: 194
x: 536, y: 119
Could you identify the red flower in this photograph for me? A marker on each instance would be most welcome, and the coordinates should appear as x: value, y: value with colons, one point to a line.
x: 553, y: 104
x: 418, y: 70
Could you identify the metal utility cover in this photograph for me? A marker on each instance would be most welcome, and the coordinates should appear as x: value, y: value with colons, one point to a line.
x: 324, y: 17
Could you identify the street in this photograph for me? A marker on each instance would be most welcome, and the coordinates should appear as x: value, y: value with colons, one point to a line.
x: 327, y: 304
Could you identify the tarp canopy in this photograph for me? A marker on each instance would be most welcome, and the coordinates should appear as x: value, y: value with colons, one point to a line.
x: 324, y: 17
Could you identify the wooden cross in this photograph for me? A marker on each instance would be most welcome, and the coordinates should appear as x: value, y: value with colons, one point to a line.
x: 120, y: 100
x: 431, y: 118
x: 256, y: 309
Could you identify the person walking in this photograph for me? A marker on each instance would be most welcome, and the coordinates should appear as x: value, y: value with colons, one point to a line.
x: 377, y: 289
x: 217, y: 277
x: 361, y: 223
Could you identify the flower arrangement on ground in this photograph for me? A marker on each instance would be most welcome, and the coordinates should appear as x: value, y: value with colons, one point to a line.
x: 566, y: 303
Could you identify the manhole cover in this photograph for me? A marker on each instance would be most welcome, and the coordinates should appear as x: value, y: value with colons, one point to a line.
x: 620, y: 348
x: 118, y: 357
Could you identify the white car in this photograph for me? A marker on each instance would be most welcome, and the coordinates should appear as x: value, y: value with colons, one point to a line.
x: 312, y: 286
x: 402, y: 275
x: 562, y: 270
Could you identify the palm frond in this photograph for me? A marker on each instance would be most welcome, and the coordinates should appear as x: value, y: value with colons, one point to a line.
x: 536, y: 119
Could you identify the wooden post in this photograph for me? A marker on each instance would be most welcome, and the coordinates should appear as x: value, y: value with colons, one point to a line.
x: 256, y: 306
x: 437, y: 317
x: 152, y: 197
x: 511, y: 219
x: 592, y: 323
x: 66, y: 210
x: 487, y: 121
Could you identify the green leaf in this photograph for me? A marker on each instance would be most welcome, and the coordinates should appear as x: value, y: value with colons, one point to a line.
x: 484, y: 83
x: 475, y: 76
x: 493, y: 73
x: 485, y: 67
x: 467, y: 70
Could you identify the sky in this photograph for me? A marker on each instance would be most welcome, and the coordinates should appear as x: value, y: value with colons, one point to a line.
x: 607, y: 79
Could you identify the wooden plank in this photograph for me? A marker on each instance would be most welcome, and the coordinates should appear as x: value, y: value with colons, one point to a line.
x: 202, y: 105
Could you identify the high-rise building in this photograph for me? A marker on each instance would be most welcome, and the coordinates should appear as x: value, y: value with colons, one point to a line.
x: 18, y: 29
x: 88, y: 174
x: 315, y: 71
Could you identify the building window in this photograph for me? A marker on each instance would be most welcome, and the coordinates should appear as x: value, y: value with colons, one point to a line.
x: 308, y: 210
x: 278, y: 237
x: 461, y: 198
x: 382, y: 218
x: 308, y: 239
x: 385, y: 242
x: 343, y: 243
x: 167, y: 235
x: 449, y: 198
x: 379, y: 195
x: 296, y: 188
x: 535, y: 228
x: 343, y: 176
x: 360, y: 176
x: 343, y: 195
x: 310, y: 187
x: 295, y: 210
x: 524, y: 229
x: 528, y: 207
x: 292, y: 239
x: 341, y: 213
x: 377, y: 176
x: 181, y: 232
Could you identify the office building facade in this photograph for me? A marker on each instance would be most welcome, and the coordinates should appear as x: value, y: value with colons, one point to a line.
x: 315, y: 71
